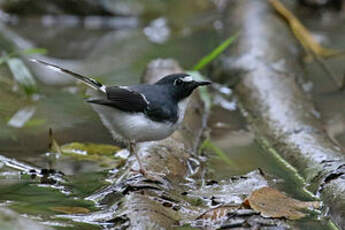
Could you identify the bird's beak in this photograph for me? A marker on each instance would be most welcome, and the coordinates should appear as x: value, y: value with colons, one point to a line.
x: 195, y: 84
x: 201, y: 83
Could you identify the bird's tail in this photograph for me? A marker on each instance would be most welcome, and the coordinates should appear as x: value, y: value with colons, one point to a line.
x: 86, y: 80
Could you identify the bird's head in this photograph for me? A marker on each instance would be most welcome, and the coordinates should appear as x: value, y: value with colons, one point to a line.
x: 180, y: 85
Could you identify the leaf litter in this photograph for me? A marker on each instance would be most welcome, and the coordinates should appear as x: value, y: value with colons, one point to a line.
x: 272, y: 203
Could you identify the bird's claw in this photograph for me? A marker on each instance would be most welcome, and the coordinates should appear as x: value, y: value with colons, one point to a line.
x: 150, y: 175
x: 143, y: 172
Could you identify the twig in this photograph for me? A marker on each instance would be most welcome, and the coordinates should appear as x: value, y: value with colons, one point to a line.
x: 326, y: 68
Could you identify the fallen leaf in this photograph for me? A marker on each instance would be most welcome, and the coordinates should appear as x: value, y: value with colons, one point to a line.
x: 89, y: 149
x: 302, y: 34
x: 70, y: 210
x: 101, y: 153
x: 272, y: 203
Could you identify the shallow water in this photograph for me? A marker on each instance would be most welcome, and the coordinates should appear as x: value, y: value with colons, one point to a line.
x: 329, y: 27
x: 118, y: 56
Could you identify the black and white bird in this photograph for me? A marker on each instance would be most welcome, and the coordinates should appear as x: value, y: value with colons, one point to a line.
x: 139, y: 113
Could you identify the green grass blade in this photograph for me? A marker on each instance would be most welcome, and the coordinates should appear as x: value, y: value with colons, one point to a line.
x: 32, y: 51
x: 208, y: 145
x: 215, y: 53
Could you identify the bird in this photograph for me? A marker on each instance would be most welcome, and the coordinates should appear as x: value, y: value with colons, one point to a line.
x: 142, y: 112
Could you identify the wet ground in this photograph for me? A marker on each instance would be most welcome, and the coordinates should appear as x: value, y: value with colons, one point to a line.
x: 119, y: 56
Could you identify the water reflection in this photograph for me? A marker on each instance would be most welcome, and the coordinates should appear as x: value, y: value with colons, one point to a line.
x: 23, y: 115
x: 158, y: 30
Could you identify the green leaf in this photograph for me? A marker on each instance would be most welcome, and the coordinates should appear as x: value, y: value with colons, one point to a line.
x: 33, y: 51
x: 101, y: 153
x: 35, y: 122
x: 215, y: 53
x: 22, y: 75
x: 208, y: 145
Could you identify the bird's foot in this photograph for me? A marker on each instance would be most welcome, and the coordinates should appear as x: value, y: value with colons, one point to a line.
x: 155, y: 177
x: 140, y: 171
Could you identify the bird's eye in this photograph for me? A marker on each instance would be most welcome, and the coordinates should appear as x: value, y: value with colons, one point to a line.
x: 178, y: 82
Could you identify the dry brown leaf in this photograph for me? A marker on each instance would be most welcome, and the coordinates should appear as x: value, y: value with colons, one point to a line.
x: 272, y: 203
x: 70, y: 210
x: 302, y: 34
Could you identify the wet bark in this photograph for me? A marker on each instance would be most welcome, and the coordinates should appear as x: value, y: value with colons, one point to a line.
x: 266, y: 62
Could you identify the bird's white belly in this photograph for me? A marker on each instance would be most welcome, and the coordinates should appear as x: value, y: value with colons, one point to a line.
x: 133, y: 126
x: 138, y: 127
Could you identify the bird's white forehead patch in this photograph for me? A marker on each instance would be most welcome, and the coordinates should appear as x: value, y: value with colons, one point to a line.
x: 187, y: 79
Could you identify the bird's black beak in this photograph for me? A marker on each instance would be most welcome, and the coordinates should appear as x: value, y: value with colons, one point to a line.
x: 195, y: 84
x: 201, y: 83
x: 190, y: 86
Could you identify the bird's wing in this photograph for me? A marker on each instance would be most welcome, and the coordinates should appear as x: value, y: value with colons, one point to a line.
x: 123, y: 99
x: 162, y: 113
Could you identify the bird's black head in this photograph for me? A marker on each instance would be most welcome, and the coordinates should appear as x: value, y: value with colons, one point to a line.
x: 180, y: 85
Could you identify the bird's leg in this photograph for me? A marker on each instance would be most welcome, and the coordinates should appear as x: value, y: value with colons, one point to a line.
x: 147, y: 174
x: 132, y: 149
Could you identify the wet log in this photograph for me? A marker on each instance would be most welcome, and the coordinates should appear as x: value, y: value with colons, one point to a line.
x: 266, y: 62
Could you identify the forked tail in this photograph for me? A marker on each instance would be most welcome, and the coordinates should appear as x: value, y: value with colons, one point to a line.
x: 86, y: 80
